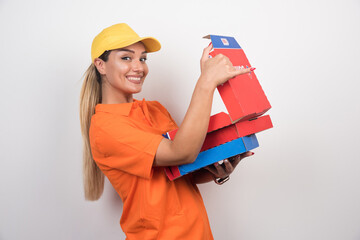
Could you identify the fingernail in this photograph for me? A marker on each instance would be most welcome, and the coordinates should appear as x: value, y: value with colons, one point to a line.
x: 210, y: 43
x: 252, y: 153
x: 252, y: 69
x: 216, y: 164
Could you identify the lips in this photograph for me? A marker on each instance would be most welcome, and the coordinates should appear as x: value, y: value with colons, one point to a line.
x: 134, y: 79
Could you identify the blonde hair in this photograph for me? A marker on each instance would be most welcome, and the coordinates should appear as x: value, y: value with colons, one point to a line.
x: 90, y: 96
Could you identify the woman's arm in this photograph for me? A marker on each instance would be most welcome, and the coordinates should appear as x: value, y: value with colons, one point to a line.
x: 191, y: 134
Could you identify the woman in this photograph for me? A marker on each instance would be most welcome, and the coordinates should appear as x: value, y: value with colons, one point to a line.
x: 123, y: 138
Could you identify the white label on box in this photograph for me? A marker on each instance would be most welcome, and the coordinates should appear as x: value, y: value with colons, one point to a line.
x: 225, y: 41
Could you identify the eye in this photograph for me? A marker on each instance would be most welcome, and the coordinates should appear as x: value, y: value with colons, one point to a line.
x: 126, y: 58
x: 143, y: 59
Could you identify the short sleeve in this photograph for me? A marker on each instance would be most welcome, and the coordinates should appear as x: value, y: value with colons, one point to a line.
x: 118, y: 143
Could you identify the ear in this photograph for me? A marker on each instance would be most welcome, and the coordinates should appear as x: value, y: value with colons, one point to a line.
x: 100, y: 65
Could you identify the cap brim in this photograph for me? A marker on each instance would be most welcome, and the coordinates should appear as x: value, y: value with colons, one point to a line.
x: 151, y: 44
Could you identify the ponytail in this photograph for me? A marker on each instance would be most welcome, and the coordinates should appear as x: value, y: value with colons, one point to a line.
x: 90, y: 96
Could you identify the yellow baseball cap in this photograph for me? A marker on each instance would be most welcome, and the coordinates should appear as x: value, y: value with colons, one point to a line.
x: 119, y: 36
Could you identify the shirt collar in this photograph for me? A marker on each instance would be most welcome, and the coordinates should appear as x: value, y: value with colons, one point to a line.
x: 119, y: 108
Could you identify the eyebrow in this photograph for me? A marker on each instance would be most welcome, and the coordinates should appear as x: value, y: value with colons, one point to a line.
x: 128, y: 50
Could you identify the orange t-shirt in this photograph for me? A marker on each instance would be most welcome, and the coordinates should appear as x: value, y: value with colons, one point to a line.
x: 124, y: 139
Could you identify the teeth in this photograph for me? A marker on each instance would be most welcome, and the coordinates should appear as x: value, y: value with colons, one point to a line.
x: 134, y: 78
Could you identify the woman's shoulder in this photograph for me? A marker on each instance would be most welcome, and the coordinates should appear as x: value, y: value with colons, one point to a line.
x: 156, y: 105
x: 108, y: 120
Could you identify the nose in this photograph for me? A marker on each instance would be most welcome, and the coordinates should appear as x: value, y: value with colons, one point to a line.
x: 137, y: 66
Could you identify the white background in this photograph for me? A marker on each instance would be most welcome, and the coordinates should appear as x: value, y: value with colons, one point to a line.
x: 303, y: 181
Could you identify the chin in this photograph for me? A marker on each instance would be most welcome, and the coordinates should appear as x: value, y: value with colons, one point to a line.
x: 136, y: 90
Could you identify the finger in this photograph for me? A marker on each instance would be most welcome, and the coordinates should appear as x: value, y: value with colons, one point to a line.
x: 206, y: 52
x: 220, y: 169
x: 238, y: 71
x: 246, y: 154
x: 236, y: 159
x: 228, y: 166
x: 211, y: 169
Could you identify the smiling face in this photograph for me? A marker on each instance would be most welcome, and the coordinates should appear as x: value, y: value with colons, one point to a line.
x: 123, y: 73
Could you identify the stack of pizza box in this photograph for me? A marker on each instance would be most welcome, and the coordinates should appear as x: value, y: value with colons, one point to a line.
x: 233, y: 133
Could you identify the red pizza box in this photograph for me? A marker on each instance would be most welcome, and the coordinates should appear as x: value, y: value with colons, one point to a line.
x: 216, y: 122
x: 248, y: 127
x: 243, y: 95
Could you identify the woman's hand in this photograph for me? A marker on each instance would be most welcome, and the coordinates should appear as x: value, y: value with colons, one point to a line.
x: 228, y: 166
x: 215, y: 171
x: 218, y: 69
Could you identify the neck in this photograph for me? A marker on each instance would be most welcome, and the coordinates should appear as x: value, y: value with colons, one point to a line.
x: 111, y: 96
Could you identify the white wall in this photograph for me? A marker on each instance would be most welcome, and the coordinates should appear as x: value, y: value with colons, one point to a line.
x: 303, y: 181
